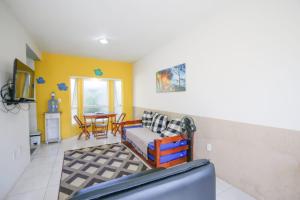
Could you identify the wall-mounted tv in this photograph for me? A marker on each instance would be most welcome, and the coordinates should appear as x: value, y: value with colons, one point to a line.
x: 23, y: 83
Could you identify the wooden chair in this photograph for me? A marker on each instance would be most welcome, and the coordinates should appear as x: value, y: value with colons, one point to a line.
x: 100, y: 127
x: 83, y: 126
x: 89, y: 122
x: 116, y: 125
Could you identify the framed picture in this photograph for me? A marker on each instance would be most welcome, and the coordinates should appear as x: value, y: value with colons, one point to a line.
x: 171, y: 79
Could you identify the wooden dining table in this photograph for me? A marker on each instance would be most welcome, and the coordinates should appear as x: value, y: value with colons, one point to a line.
x: 94, y: 116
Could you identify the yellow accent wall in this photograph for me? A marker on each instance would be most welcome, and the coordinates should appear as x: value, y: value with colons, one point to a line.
x: 57, y: 68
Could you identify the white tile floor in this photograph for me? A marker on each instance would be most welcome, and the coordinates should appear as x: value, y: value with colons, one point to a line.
x: 40, y: 180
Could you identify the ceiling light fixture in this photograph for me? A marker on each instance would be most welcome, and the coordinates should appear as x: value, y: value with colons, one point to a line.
x: 103, y: 41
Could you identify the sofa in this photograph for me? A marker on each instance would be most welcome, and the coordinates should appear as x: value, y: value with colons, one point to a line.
x: 157, y: 140
x: 194, y: 181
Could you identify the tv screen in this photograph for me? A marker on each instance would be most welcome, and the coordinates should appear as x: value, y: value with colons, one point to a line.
x: 23, y: 82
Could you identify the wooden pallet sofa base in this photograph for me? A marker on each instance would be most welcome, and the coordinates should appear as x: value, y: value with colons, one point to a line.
x: 157, y: 152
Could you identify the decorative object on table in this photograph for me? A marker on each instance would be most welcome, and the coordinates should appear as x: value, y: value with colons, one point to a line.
x: 85, y: 167
x: 62, y: 86
x: 52, y: 127
x: 189, y: 128
x: 98, y: 72
x: 53, y: 104
x: 40, y: 80
x: 171, y: 79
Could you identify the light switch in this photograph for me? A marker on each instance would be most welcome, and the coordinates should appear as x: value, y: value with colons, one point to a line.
x: 209, y: 147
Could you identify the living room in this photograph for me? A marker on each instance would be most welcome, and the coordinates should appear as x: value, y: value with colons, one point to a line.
x: 114, y: 64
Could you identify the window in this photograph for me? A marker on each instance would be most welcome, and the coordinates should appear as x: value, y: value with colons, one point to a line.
x: 118, y: 107
x: 74, y: 99
x: 95, y: 97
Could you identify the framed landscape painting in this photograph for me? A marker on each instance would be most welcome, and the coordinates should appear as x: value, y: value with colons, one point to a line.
x: 171, y: 79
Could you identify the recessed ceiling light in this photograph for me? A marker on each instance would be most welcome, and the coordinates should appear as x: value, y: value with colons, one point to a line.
x: 103, y: 41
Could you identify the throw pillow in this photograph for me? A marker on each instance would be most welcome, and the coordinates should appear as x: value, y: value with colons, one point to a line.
x: 147, y: 119
x: 159, y: 123
x: 173, y: 128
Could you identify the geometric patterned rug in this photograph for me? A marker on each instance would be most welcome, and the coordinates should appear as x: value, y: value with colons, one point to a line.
x: 88, y: 166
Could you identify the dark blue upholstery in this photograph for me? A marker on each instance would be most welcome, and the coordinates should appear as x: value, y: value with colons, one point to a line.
x: 169, y: 145
x: 193, y: 181
x: 129, y: 127
x: 169, y: 157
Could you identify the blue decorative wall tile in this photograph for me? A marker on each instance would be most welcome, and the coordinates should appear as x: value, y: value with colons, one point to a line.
x: 62, y: 86
x: 98, y: 72
x: 40, y: 80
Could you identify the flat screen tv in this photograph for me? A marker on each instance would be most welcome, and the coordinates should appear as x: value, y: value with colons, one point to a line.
x: 23, y: 83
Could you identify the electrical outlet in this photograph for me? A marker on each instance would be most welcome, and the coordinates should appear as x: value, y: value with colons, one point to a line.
x: 209, y: 147
x: 59, y: 100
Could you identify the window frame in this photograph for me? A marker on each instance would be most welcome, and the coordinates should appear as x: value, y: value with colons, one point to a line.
x: 73, y: 122
x: 122, y: 97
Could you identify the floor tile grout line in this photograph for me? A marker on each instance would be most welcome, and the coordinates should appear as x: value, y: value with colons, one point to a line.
x: 50, y: 176
x: 224, y: 191
x: 21, y: 193
x: 227, y: 188
x: 18, y: 180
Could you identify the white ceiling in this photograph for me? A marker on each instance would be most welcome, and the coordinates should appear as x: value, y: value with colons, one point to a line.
x: 134, y: 27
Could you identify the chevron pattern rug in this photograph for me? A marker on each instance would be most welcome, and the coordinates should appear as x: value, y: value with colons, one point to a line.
x: 88, y: 166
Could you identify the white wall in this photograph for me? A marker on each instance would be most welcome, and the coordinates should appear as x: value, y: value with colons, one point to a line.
x: 14, y: 143
x: 243, y: 64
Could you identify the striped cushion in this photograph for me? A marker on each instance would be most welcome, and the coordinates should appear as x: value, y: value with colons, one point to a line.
x: 159, y: 123
x: 147, y: 119
x: 173, y: 128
